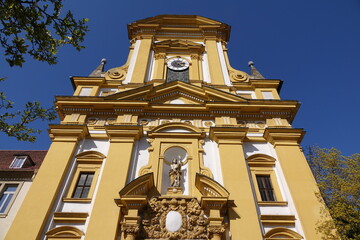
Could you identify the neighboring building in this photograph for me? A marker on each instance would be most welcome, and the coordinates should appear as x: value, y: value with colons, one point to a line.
x: 174, y: 144
x: 17, y: 171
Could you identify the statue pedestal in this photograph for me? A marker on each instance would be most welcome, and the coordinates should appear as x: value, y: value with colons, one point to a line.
x: 174, y: 191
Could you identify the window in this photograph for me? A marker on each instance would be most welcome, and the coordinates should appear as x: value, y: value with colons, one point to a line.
x: 18, y: 162
x: 84, y: 179
x: 83, y: 185
x: 265, y: 188
x: 7, y: 196
x: 264, y: 178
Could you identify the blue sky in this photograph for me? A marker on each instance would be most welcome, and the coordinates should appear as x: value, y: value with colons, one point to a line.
x: 313, y: 46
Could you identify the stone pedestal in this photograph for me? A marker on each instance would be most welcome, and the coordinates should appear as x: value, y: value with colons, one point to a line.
x: 174, y: 191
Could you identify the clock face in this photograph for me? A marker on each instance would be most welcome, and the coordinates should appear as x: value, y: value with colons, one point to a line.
x: 178, y: 64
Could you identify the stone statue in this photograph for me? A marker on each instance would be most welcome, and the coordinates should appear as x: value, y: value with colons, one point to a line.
x: 175, y: 173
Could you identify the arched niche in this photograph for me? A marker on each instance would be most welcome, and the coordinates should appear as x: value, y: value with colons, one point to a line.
x: 64, y: 232
x: 171, y: 153
x: 282, y: 233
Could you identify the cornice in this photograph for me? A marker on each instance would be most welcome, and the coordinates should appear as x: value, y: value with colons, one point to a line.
x: 284, y: 136
x: 179, y: 27
x: 123, y: 133
x: 228, y: 135
x: 94, y: 81
x: 67, y: 132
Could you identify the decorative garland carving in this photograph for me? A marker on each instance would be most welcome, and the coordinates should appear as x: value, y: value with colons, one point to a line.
x: 218, y: 230
x: 194, y: 223
x: 130, y: 228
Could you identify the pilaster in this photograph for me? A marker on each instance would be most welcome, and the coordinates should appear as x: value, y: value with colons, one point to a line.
x: 142, y: 60
x: 243, y: 216
x: 104, y: 218
x: 33, y: 214
x: 298, y: 177
x: 216, y: 74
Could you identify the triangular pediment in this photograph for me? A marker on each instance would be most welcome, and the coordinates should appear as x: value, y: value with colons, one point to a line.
x: 176, y: 92
x: 178, y: 43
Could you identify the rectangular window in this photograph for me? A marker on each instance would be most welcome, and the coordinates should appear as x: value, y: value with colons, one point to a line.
x: 7, y: 196
x: 18, y: 162
x: 83, y: 185
x: 265, y: 188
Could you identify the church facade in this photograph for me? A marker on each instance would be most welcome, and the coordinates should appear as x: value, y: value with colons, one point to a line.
x: 174, y: 144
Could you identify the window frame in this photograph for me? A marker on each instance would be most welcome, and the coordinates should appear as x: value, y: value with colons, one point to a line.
x: 82, y: 168
x: 90, y: 161
x: 263, y: 165
x: 16, y: 159
x: 268, y: 191
x: 84, y: 185
x: 3, y: 185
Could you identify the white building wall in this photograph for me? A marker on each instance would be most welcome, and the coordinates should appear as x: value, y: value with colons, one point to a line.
x: 224, y: 69
x: 205, y: 68
x: 211, y: 159
x: 140, y: 158
x: 132, y: 62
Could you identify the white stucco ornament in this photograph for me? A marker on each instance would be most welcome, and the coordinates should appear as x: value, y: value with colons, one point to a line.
x: 173, y: 221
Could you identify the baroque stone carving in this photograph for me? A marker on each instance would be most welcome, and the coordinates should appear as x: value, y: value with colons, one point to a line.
x: 193, y: 220
x: 130, y: 228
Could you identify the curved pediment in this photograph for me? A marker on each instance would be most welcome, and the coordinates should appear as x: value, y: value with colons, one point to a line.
x: 261, y: 160
x: 138, y: 186
x: 282, y: 233
x: 208, y: 187
x: 65, y: 232
x: 176, y: 127
x: 91, y: 154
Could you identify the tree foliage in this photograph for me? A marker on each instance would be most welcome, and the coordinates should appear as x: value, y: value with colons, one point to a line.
x: 338, y: 178
x: 35, y: 28
x: 16, y: 123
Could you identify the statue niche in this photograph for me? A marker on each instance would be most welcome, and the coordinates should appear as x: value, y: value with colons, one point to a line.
x: 174, y: 171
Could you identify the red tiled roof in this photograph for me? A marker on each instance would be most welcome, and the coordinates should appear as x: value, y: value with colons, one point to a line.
x: 7, y: 156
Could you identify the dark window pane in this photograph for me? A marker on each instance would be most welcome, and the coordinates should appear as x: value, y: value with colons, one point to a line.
x: 89, y: 180
x: 265, y: 188
x: 83, y: 185
x: 82, y: 179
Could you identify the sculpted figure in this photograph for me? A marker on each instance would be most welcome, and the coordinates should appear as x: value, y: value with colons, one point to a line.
x: 175, y: 173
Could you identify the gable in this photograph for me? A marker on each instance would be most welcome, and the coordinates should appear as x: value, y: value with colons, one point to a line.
x: 176, y: 90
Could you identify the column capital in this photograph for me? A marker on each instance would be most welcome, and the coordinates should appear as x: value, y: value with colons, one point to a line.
x: 124, y: 133
x: 228, y: 135
x: 67, y: 133
x: 284, y: 136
